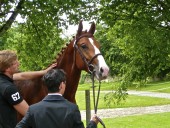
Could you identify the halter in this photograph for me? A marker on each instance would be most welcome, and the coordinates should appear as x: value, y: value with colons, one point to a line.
x: 88, y: 63
x: 92, y: 73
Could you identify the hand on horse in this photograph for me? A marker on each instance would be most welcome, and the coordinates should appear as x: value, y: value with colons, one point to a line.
x: 32, y: 74
x: 51, y: 67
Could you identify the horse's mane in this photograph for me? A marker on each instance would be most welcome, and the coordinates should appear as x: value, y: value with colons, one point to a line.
x: 60, y: 54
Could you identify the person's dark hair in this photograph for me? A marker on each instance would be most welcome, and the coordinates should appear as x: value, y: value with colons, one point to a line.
x: 53, y: 78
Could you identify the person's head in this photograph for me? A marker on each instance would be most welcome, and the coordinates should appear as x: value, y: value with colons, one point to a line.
x: 55, y: 80
x: 8, y: 62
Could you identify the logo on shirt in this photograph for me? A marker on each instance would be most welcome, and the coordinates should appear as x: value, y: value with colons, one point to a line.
x: 15, y: 96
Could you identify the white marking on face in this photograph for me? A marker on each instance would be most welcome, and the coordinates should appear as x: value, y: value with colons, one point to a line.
x: 103, y: 69
x: 100, y: 58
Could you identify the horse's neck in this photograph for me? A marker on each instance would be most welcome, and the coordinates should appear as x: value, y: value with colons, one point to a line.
x: 67, y: 63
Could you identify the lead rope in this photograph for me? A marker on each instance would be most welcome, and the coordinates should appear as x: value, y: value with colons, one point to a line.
x: 94, y: 99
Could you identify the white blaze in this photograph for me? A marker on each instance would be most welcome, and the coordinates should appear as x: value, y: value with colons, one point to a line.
x: 102, y: 63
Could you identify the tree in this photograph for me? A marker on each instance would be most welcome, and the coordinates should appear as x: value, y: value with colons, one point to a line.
x: 41, y: 12
x: 37, y: 37
x: 140, y: 29
x: 152, y: 13
x: 136, y: 38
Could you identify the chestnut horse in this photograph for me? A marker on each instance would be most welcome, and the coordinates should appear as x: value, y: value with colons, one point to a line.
x: 82, y: 53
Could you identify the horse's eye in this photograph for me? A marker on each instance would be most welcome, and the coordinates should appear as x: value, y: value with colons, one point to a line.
x: 84, y: 46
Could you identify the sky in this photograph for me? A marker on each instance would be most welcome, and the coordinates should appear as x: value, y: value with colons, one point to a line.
x: 72, y: 29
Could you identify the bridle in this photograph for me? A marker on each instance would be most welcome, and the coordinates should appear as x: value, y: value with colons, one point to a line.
x: 88, y: 63
x: 91, y: 71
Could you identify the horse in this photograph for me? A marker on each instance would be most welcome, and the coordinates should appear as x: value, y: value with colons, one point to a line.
x: 81, y: 53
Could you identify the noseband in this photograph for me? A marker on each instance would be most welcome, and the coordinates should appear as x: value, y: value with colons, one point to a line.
x: 88, y: 63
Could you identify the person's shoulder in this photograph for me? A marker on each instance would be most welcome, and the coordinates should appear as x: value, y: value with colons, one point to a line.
x: 36, y: 106
x: 71, y: 105
x: 5, y: 79
x: 39, y: 104
x: 12, y: 95
x: 4, y: 85
x: 8, y: 88
x: 11, y: 87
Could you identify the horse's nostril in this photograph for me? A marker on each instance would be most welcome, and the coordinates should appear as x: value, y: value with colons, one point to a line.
x: 104, y: 72
x: 101, y: 70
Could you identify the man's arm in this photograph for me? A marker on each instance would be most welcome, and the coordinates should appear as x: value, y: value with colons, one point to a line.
x: 22, y: 107
x: 26, y: 121
x: 14, y: 98
x: 31, y: 74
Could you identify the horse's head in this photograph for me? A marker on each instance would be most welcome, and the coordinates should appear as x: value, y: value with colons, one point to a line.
x: 88, y: 54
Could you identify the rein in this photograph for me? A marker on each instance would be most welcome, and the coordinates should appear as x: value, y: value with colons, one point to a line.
x: 92, y: 72
x: 95, y: 101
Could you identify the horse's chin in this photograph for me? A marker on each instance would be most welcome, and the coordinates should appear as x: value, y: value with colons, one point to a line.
x: 100, y: 77
x: 101, y: 73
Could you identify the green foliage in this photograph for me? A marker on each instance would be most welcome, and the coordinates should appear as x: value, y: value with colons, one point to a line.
x: 145, y: 49
x: 137, y: 37
x: 37, y: 38
x: 153, y: 13
x: 111, y: 52
x: 33, y: 54
x: 44, y: 13
x: 117, y: 96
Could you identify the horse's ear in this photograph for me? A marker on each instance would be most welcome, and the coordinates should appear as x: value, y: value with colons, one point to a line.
x: 80, y: 28
x: 92, y: 28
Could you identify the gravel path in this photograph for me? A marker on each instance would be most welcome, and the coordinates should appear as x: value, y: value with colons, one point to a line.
x: 119, y: 112
x: 151, y: 94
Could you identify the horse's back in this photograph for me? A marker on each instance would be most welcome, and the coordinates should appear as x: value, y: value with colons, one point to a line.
x: 32, y: 91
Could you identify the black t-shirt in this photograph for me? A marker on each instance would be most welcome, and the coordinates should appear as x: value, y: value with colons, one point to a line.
x: 9, y: 96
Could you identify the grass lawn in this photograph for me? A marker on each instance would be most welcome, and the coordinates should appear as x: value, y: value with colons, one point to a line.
x: 157, y: 87
x: 160, y: 120
x: 163, y: 86
x: 131, y: 101
x: 104, y: 86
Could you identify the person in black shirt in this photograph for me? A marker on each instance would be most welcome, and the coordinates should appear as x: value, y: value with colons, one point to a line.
x: 11, y: 101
